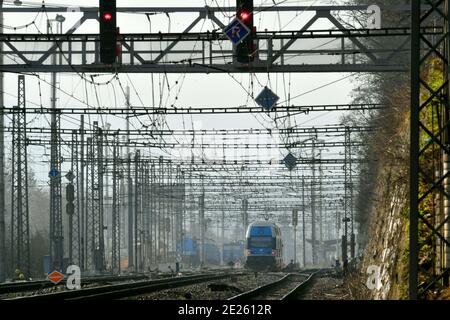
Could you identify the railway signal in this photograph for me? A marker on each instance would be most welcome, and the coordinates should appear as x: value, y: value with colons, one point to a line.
x: 245, y: 49
x: 108, y: 31
x: 70, y: 197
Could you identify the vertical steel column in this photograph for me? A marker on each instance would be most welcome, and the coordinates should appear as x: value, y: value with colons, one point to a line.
x: 303, y: 221
x: 123, y: 200
x: 446, y: 155
x: 146, y: 198
x: 82, y: 198
x: 137, y: 210
x: 56, y: 223
x: 20, y: 228
x: 89, y: 228
x: 162, y: 209
x: 130, y: 186
x: 414, y: 152
x: 322, y: 247
x: 202, y: 223
x: 2, y: 165
x: 153, y: 211
x: 222, y: 236
x: 179, y: 216
x: 74, y: 219
x: 115, y: 252
x: 168, y: 194
x: 313, y: 205
x: 107, y: 205
x: 97, y: 199
x: 130, y: 213
x: 159, y: 210
x: 346, y: 204
x: 425, y: 187
x: 352, y: 218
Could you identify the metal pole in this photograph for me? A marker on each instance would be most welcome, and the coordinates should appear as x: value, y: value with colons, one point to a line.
x: 2, y: 166
x: 352, y: 235
x: 115, y: 258
x: 295, y: 244
x: 346, y: 198
x: 130, y: 214
x: 313, y: 206
x: 137, y: 210
x: 414, y: 152
x: 56, y: 224
x: 130, y: 188
x: 202, y: 225
x: 20, y: 234
x: 322, y: 247
x: 82, y: 199
x: 446, y: 157
x: 303, y: 221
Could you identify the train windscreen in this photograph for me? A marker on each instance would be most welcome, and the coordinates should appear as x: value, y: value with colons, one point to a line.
x: 261, y: 242
x: 260, y: 231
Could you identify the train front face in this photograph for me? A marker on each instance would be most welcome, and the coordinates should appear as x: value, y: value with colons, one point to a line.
x: 263, y: 248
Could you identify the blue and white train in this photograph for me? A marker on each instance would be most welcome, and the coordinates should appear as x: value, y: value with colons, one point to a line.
x: 264, y: 247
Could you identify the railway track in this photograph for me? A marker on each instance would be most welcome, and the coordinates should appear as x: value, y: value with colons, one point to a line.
x: 124, y: 290
x: 16, y: 287
x: 287, y: 288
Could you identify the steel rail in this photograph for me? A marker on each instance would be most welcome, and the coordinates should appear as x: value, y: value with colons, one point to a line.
x: 261, y: 290
x: 15, y: 287
x: 298, y: 289
x: 125, y: 289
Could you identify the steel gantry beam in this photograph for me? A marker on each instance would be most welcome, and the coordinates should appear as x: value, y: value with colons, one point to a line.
x: 133, y: 111
x: 212, y: 52
x: 149, y: 133
x: 430, y: 159
x: 206, y: 10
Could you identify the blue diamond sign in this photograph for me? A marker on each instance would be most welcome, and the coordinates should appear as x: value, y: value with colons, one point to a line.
x: 236, y: 31
x: 290, y: 161
x: 53, y: 173
x: 267, y: 99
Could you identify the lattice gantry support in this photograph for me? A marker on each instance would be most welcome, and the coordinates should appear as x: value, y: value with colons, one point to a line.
x: 153, y: 215
x: 146, y: 209
x: 346, y: 220
x: 137, y: 211
x: 20, y: 225
x: 116, y: 225
x: 180, y: 195
x: 89, y: 238
x: 97, y: 199
x: 429, y: 228
x: 56, y: 222
x: 74, y: 218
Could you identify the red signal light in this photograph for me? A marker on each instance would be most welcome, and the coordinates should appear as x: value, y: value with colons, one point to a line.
x: 244, y: 16
x: 107, y: 16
